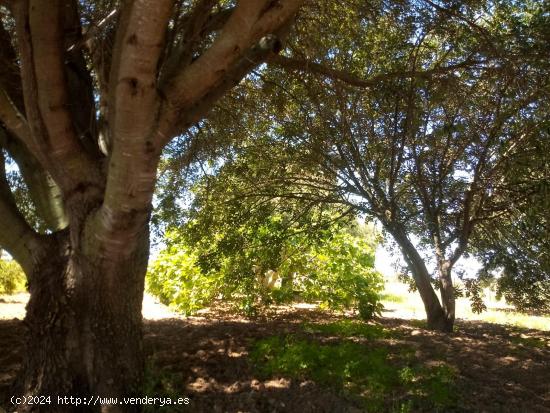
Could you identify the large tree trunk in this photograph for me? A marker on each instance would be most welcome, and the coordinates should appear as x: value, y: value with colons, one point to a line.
x: 84, y: 326
x: 436, y: 314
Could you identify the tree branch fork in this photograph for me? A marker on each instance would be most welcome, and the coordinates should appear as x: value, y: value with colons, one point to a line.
x: 145, y: 105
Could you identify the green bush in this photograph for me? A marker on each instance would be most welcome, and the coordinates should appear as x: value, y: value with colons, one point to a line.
x: 12, y: 277
x: 342, y: 275
x: 178, y: 282
x: 336, y: 271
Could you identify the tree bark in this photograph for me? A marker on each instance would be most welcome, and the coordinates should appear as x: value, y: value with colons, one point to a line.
x: 84, y: 326
x: 437, y: 318
x: 447, y: 294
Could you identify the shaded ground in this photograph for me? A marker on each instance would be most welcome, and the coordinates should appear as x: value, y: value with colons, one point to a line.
x: 205, y: 358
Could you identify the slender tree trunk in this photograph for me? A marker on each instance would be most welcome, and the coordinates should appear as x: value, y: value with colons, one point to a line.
x: 84, y: 326
x: 435, y: 313
x: 447, y: 294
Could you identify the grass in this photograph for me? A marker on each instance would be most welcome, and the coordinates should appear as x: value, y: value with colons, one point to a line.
x: 513, y: 318
x: 529, y: 342
x: 392, y: 298
x: 378, y: 379
x: 158, y: 383
x: 349, y: 328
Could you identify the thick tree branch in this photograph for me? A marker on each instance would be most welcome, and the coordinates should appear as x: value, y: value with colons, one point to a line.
x: 53, y: 139
x: 200, y: 110
x: 12, y: 119
x: 132, y: 118
x: 45, y: 194
x: 16, y: 236
x: 250, y: 21
x: 82, y: 108
x: 196, y: 80
x: 134, y: 73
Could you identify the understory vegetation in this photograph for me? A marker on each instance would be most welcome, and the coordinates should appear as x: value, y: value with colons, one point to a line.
x: 12, y: 277
x: 255, y: 268
x: 346, y: 356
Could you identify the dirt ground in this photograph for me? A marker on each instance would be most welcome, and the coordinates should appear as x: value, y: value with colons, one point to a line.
x: 499, y: 370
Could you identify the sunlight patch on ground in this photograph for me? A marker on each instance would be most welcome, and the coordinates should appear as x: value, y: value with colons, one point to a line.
x: 306, y: 306
x: 154, y: 310
x: 13, y: 306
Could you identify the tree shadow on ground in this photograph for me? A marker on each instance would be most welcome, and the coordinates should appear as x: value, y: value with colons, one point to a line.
x: 500, y: 368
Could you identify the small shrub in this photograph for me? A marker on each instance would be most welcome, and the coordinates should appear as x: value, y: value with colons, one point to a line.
x: 342, y: 276
x: 12, y: 277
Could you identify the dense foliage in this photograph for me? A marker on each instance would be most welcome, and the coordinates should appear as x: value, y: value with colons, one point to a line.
x: 12, y: 277
x: 255, y: 253
x: 516, y: 251
x: 337, y: 272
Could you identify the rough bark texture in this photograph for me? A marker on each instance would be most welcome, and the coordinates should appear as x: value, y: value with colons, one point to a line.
x: 84, y: 325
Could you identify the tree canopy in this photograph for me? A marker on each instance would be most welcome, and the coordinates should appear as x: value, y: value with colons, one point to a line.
x: 420, y: 124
